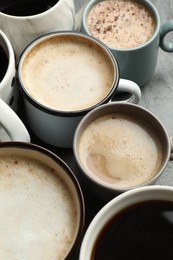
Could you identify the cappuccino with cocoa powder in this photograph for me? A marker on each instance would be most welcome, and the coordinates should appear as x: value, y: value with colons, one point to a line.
x: 121, y: 23
x: 67, y: 73
x: 39, y: 217
x: 118, y: 150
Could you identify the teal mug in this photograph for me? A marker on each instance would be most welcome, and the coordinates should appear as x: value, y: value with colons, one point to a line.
x: 137, y: 62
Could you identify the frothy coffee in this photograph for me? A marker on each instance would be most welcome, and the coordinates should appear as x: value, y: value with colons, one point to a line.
x: 38, y: 215
x: 67, y: 73
x: 121, y: 23
x: 119, y: 151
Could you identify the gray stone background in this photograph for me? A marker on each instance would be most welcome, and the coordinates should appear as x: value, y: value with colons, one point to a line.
x: 157, y: 94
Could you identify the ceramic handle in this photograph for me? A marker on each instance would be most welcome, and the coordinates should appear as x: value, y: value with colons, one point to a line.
x: 171, y: 142
x: 166, y: 45
x: 131, y: 87
x: 12, y: 124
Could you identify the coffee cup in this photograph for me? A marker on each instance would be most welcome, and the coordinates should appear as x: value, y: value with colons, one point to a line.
x: 62, y: 76
x: 120, y: 146
x: 42, y: 205
x: 132, y: 31
x: 137, y: 222
x: 11, y: 127
x: 24, y: 20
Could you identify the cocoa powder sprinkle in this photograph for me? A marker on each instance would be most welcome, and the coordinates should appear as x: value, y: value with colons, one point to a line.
x: 121, y: 23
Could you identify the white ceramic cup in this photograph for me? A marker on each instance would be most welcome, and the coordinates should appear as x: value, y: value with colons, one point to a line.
x: 56, y: 126
x: 122, y: 157
x: 11, y: 127
x: 120, y: 204
x: 23, y: 28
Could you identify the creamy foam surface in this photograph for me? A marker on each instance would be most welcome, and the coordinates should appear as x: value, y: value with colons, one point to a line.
x: 116, y: 150
x: 121, y: 23
x: 67, y: 74
x: 37, y: 212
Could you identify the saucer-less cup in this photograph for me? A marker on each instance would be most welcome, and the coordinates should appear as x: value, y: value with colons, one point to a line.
x: 23, y: 21
x: 42, y: 205
x: 11, y: 127
x: 120, y: 146
x: 64, y: 75
x: 137, y: 63
x: 132, y: 234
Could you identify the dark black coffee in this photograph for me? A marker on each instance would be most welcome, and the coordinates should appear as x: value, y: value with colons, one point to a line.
x: 3, y: 63
x: 144, y: 231
x: 26, y: 7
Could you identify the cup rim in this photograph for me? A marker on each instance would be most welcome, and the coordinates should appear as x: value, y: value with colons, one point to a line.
x: 114, y: 206
x: 74, y: 113
x: 150, y: 6
x: 85, y: 121
x: 71, y: 175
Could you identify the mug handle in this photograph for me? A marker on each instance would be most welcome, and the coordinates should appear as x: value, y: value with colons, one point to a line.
x: 171, y: 142
x: 131, y: 87
x: 166, y: 28
x: 12, y: 124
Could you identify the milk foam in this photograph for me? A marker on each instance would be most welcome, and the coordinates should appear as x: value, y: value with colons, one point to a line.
x: 121, y: 23
x: 67, y: 74
x: 38, y: 217
x: 117, y: 150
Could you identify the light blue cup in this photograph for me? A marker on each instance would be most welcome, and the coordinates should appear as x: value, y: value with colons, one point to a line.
x: 138, y: 64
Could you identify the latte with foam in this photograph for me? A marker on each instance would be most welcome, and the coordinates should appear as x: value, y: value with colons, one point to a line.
x: 121, y: 23
x: 39, y: 216
x: 118, y: 150
x: 67, y: 73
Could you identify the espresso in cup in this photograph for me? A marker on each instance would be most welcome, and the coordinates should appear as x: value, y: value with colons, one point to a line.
x: 41, y: 204
x: 121, y: 23
x: 140, y: 227
x: 136, y: 225
x: 3, y: 63
x: 25, y: 8
x: 120, y: 150
x: 67, y: 73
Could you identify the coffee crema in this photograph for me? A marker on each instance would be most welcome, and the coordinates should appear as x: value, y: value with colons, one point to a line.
x: 121, y: 23
x: 67, y: 73
x: 119, y: 151
x: 38, y: 216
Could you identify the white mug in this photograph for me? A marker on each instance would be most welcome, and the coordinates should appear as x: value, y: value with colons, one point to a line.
x: 11, y: 127
x: 24, y: 26
x: 75, y: 82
